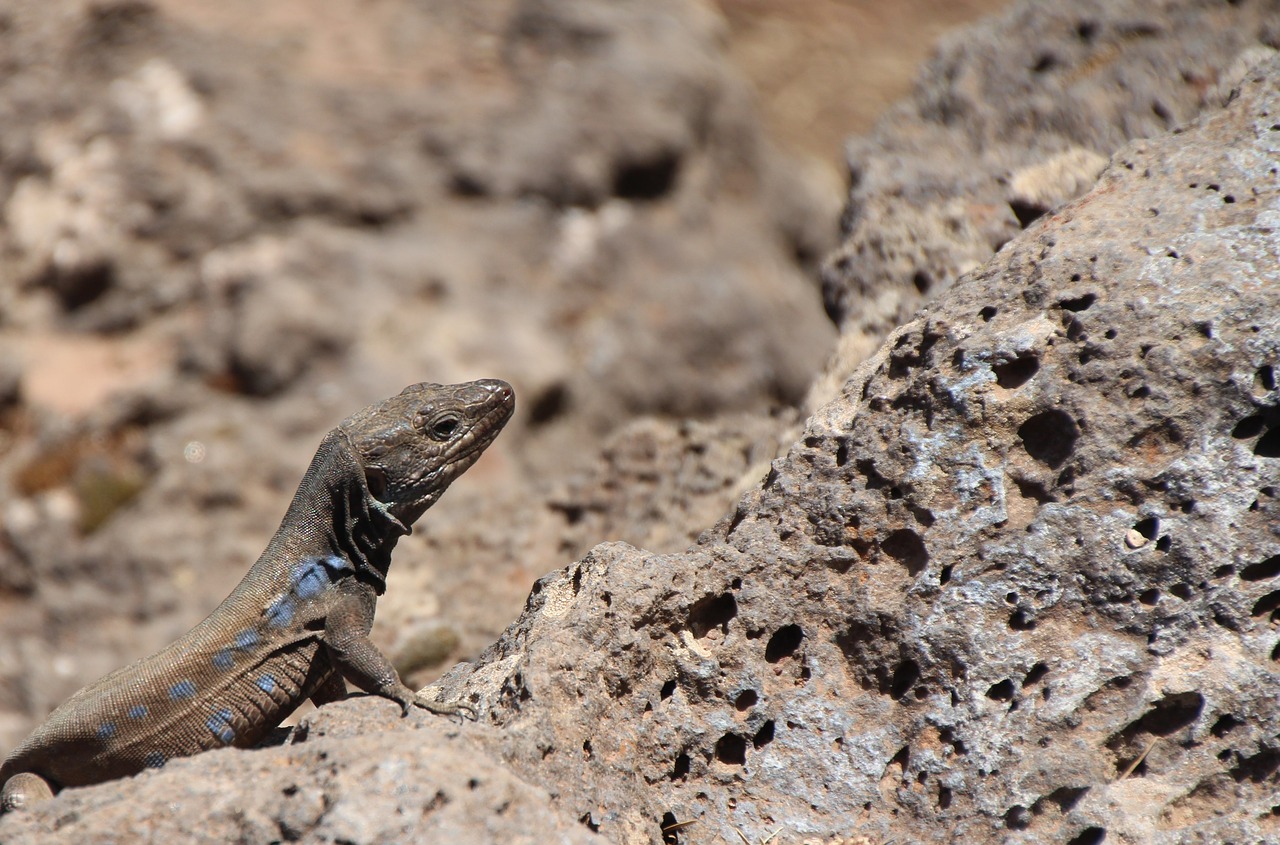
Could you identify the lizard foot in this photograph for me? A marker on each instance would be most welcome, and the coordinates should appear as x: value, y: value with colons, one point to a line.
x: 24, y: 790
x: 431, y: 705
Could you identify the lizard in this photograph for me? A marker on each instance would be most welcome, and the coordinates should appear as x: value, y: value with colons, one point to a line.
x: 297, y: 625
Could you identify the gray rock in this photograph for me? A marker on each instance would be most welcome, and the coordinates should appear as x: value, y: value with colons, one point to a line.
x: 1010, y: 119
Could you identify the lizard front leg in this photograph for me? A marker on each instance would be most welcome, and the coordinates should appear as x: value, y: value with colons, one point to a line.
x: 346, y: 638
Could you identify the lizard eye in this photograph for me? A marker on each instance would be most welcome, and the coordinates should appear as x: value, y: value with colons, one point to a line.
x: 445, y: 427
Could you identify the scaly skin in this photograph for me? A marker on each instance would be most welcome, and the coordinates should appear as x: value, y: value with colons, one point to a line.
x: 299, y: 621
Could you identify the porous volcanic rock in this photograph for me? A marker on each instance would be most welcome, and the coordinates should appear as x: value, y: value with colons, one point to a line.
x: 1011, y: 118
x: 1016, y: 583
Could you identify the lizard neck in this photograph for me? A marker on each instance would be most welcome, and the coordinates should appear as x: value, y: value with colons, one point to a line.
x: 333, y: 513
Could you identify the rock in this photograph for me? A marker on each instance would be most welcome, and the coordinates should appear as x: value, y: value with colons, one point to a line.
x: 1011, y: 118
x: 370, y: 790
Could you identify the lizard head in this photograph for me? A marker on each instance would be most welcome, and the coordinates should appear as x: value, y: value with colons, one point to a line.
x: 413, y: 445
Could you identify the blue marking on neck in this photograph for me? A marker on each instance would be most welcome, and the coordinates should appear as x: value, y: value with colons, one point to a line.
x: 312, y: 577
x: 223, y: 660
x: 154, y: 759
x: 182, y: 689
x: 247, y: 639
x: 106, y: 730
x: 281, y: 611
x: 137, y: 711
x: 267, y: 682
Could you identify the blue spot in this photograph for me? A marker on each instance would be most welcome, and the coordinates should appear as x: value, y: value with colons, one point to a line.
x: 137, y: 711
x: 267, y: 683
x: 182, y: 689
x: 154, y: 759
x: 280, y: 613
x: 223, y: 660
x: 220, y: 725
x: 106, y: 730
x: 246, y: 639
x: 310, y: 579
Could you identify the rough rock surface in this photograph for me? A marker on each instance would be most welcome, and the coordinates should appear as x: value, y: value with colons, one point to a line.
x: 1009, y: 120
x: 1016, y: 583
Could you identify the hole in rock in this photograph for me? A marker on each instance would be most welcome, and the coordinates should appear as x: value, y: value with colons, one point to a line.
x: 764, y: 736
x: 1066, y: 797
x: 1171, y: 713
x: 1226, y: 724
x: 1266, y: 604
x: 668, y: 688
x: 1268, y: 568
x: 712, y: 612
x: 1079, y: 303
x: 904, y: 677
x: 1268, y: 445
x: 783, y: 643
x: 1045, y: 62
x: 1148, y: 527
x: 1002, y: 691
x: 680, y: 768
x: 1050, y: 437
x: 670, y: 829
x: 1020, y: 620
x: 1249, y: 427
x: 1013, y: 374
x: 648, y: 179
x: 987, y: 313
x: 1036, y: 672
x: 1089, y: 836
x: 906, y: 547
x: 746, y: 700
x: 731, y: 750
x: 1258, y: 768
x: 1017, y: 818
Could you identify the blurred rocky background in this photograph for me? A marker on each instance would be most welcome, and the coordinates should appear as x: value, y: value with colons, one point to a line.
x: 226, y: 226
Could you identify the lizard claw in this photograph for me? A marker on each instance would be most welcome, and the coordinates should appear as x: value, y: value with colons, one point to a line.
x: 446, y: 708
